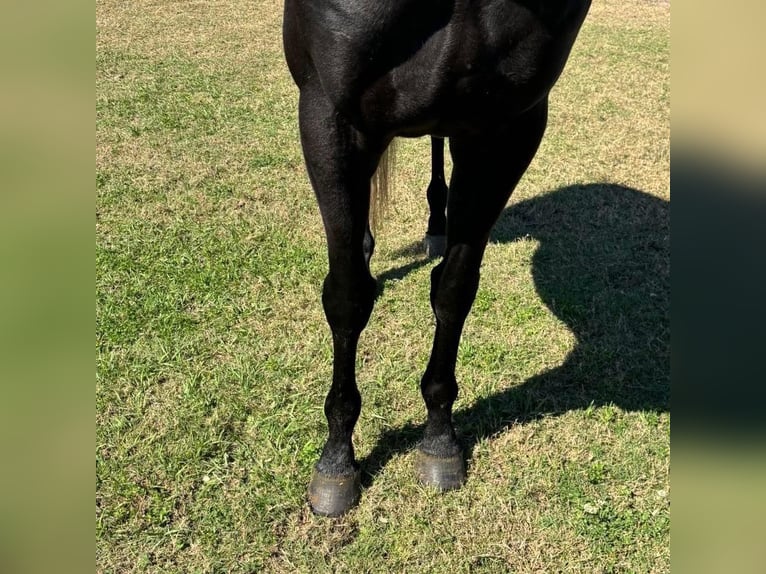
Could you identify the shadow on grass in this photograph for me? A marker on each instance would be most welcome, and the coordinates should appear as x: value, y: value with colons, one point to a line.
x: 603, y: 267
x: 399, y: 273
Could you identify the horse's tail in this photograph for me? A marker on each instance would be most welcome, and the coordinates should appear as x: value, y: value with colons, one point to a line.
x: 381, y: 185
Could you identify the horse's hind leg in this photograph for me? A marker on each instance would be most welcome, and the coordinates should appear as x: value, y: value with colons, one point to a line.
x: 368, y: 245
x: 485, y: 172
x: 436, y: 234
x: 340, y: 163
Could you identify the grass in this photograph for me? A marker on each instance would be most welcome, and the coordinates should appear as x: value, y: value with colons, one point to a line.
x: 213, y: 355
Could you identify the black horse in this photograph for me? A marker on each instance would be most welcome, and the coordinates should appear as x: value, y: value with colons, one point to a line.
x: 475, y: 71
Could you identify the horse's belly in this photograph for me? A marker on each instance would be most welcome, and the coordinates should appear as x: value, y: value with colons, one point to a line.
x: 474, y: 101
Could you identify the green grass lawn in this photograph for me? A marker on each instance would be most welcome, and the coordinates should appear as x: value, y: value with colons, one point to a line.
x: 214, y: 357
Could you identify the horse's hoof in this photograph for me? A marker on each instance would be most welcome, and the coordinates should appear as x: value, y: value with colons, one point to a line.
x: 443, y: 473
x: 333, y: 495
x: 436, y: 245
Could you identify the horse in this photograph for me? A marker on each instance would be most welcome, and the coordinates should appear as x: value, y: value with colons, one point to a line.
x: 475, y: 72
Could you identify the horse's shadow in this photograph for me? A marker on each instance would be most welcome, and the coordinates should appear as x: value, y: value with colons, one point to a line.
x: 603, y: 267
